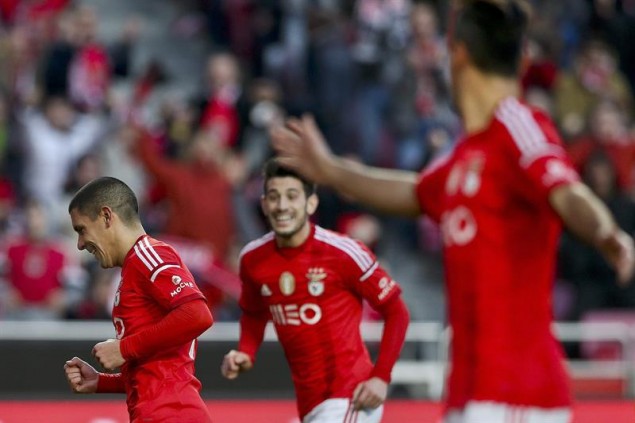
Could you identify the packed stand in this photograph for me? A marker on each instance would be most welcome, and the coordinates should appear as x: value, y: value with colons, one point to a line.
x: 373, y: 72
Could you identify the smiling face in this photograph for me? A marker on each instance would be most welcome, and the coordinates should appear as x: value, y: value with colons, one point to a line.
x: 93, y: 236
x: 287, y: 209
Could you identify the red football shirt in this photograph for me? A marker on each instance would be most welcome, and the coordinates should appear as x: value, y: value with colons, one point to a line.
x: 154, y: 280
x: 35, y: 269
x: 313, y: 293
x: 490, y: 196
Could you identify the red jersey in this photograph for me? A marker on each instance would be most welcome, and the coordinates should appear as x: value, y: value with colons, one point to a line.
x: 154, y: 281
x: 35, y: 269
x: 490, y: 196
x: 313, y: 293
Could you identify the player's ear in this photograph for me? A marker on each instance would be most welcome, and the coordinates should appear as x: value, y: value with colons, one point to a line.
x: 312, y: 204
x: 107, y: 215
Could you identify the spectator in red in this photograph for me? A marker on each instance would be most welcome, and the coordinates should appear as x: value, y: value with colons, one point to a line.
x: 197, y: 189
x: 541, y: 71
x: 609, y: 134
x: 34, y: 268
x: 80, y: 66
x: 220, y: 115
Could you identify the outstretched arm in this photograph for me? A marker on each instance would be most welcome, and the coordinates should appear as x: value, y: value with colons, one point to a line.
x: 301, y: 146
x: 372, y: 393
x: 586, y: 216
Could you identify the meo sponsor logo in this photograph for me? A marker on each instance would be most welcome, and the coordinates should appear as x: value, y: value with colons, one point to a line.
x: 458, y: 226
x: 180, y: 287
x: 294, y: 315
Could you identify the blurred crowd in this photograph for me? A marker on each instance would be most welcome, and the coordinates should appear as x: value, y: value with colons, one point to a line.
x: 373, y: 72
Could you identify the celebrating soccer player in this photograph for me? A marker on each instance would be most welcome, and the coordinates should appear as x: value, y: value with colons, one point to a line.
x: 500, y: 198
x: 311, y: 283
x: 158, y: 311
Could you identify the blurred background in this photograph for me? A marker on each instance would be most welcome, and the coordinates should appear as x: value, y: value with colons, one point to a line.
x: 175, y: 98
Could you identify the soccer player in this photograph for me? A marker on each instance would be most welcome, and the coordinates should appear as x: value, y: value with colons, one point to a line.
x: 500, y: 199
x: 311, y: 283
x: 158, y: 311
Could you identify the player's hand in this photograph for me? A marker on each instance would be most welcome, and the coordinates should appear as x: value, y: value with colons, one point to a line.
x: 618, y: 250
x: 235, y: 362
x: 301, y: 146
x: 81, y: 376
x: 108, y: 353
x: 370, y: 394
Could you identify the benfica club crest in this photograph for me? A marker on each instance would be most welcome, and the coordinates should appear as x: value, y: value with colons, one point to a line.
x: 287, y: 283
x: 472, y: 181
x: 316, y: 276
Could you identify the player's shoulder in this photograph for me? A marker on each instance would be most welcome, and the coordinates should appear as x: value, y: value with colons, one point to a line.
x: 525, y: 124
x: 257, y: 246
x: 526, y: 129
x: 344, y: 245
x: 150, y: 256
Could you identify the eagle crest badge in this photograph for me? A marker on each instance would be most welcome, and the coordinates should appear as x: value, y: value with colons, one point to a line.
x: 316, y: 276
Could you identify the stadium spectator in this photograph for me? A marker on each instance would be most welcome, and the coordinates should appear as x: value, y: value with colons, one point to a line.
x: 78, y: 66
x: 36, y: 266
x: 500, y: 198
x: 312, y: 282
x: 594, y: 77
x: 158, y: 311
x: 55, y: 137
x: 608, y: 133
x: 198, y: 190
x: 219, y: 113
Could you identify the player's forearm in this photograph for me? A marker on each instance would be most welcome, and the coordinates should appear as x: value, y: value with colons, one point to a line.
x: 583, y: 213
x: 252, y: 332
x: 387, y: 191
x: 396, y: 319
x: 179, y: 326
x: 110, y: 384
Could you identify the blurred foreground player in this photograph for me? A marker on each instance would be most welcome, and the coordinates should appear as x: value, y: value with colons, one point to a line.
x: 500, y: 198
x: 158, y: 311
x: 311, y: 283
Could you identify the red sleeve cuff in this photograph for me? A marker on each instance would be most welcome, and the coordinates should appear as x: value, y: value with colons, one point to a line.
x: 110, y: 384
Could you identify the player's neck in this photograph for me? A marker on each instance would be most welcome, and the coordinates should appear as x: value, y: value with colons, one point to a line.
x: 126, y: 240
x: 479, y: 95
x: 296, y: 239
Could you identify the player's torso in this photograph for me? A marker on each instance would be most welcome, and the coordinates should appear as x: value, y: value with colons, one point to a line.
x: 305, y: 293
x: 316, y: 319
x: 498, y: 243
x: 132, y: 309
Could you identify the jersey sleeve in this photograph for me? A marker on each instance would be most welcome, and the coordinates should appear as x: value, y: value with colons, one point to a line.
x: 430, y: 187
x: 538, y: 153
x: 255, y: 314
x: 250, y: 298
x: 166, y: 279
x: 366, y: 277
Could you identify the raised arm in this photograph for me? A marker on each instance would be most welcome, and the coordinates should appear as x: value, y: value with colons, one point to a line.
x: 586, y: 216
x: 301, y: 146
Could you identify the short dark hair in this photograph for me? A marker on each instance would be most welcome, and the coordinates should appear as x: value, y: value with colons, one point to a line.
x: 106, y: 191
x: 493, y: 32
x: 273, y: 169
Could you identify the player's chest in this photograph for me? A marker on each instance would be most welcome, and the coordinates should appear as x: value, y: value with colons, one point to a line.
x: 128, y: 299
x: 293, y: 283
x: 478, y: 177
